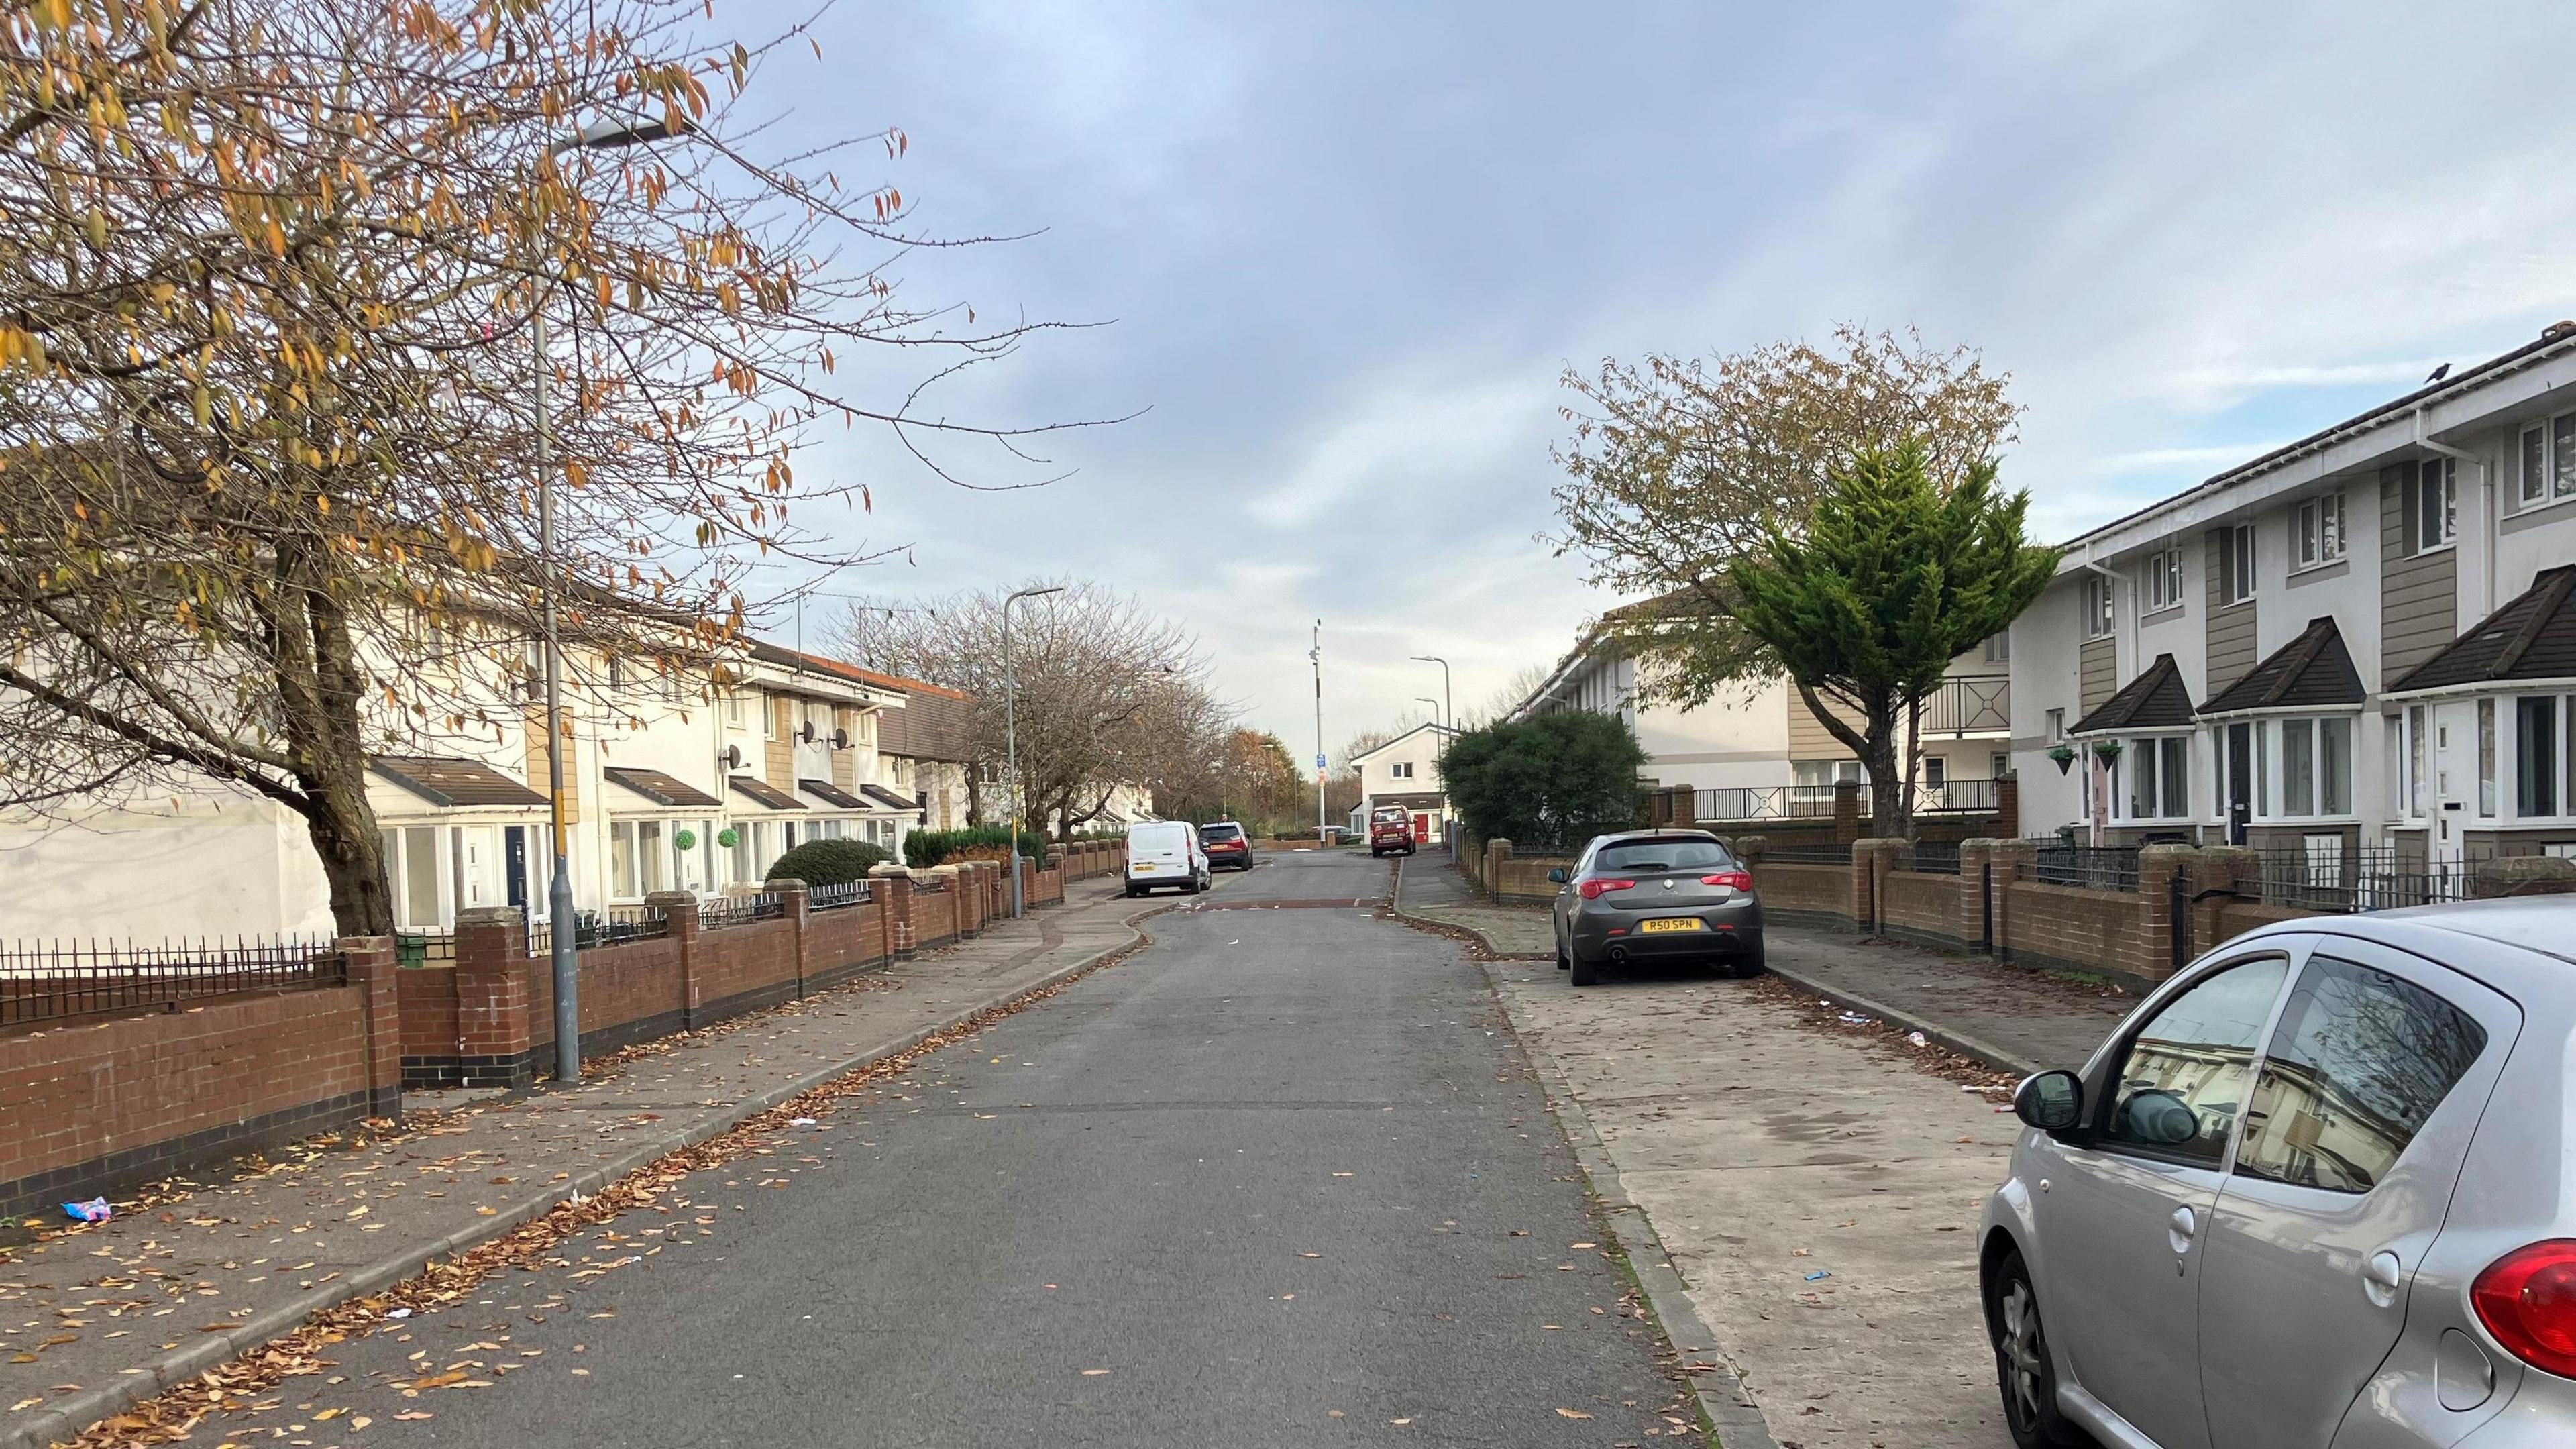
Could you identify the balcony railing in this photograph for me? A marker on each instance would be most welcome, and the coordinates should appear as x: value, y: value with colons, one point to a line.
x: 1969, y: 707
x: 1816, y: 802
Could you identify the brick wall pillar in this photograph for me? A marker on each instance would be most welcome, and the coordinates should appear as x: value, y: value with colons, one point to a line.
x: 2008, y: 806
x: 1846, y: 811
x: 1974, y: 855
x: 2153, y: 942
x: 2011, y: 861
x: 894, y: 904
x: 1498, y: 853
x: 492, y: 1041
x: 953, y: 901
x: 1686, y: 807
x: 2524, y: 875
x: 370, y: 961
x: 1871, y: 860
x: 680, y: 909
x: 797, y: 899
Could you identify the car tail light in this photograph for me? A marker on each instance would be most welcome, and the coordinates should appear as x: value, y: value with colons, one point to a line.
x: 1596, y: 888
x: 2527, y: 1299
x: 1740, y: 879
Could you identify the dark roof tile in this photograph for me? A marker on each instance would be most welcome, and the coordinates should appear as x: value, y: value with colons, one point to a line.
x: 2532, y: 637
x: 660, y: 788
x: 831, y: 794
x: 450, y: 783
x: 2313, y: 669
x: 764, y: 792
x: 2155, y: 700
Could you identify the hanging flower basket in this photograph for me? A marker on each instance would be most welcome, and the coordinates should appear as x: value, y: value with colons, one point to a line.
x: 2106, y: 750
x: 684, y: 839
x: 2064, y: 755
x: 728, y: 837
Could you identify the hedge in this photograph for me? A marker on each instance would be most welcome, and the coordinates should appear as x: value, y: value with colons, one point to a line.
x: 828, y: 862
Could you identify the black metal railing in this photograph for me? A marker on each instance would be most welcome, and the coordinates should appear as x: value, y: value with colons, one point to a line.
x: 2333, y: 876
x: 1807, y: 855
x: 1957, y: 797
x: 1936, y: 857
x: 58, y: 980
x: 1763, y: 802
x: 725, y: 912
x: 2096, y: 867
x: 615, y: 926
x: 834, y: 897
x: 1969, y: 707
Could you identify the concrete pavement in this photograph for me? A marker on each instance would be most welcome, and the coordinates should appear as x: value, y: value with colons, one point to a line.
x: 1285, y: 1178
x: 94, y: 1319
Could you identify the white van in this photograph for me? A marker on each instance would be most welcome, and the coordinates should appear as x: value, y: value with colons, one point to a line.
x: 1165, y: 852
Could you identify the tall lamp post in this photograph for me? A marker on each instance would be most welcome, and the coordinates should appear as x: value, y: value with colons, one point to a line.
x: 1449, y: 709
x: 563, y: 931
x: 1315, y: 655
x: 1011, y: 740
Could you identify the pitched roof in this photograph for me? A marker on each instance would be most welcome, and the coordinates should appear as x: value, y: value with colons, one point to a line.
x: 448, y: 782
x: 934, y: 724
x: 764, y: 792
x: 891, y: 799
x: 658, y: 787
x: 1398, y: 739
x: 831, y: 794
x: 2313, y: 669
x: 2532, y: 637
x: 2155, y: 700
x: 799, y: 659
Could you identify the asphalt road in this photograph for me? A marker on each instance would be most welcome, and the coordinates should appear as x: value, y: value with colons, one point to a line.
x: 1281, y: 1179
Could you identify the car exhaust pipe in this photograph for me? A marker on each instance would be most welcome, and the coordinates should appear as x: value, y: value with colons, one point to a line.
x: 1618, y: 955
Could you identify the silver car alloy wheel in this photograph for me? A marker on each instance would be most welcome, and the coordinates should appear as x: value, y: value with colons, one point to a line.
x: 2021, y: 1348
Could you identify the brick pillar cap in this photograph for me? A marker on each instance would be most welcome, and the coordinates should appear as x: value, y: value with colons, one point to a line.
x: 2524, y: 869
x: 2168, y: 854
x: 946, y: 870
x: 889, y: 869
x: 490, y: 916
x: 785, y: 883
x: 1882, y: 842
x: 665, y: 900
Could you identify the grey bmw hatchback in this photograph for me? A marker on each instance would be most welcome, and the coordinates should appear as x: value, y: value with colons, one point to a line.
x: 1656, y: 895
x: 2317, y: 1192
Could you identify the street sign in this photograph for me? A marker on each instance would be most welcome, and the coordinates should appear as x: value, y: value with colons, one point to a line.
x: 1319, y: 762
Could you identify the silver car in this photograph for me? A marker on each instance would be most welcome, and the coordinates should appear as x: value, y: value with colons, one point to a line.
x: 2318, y: 1190
x: 1656, y: 895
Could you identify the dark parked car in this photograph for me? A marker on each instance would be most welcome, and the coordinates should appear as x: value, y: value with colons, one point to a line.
x: 1656, y: 895
x: 1227, y: 847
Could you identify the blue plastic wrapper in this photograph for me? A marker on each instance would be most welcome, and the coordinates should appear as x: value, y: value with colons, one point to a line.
x: 96, y: 1210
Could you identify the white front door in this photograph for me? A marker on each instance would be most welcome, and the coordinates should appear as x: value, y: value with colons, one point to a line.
x: 2452, y: 802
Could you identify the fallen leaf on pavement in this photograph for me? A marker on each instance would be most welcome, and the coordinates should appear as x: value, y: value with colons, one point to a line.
x: 1587, y: 1245
x: 414, y: 1416
x: 1093, y: 1373
x: 1573, y: 1414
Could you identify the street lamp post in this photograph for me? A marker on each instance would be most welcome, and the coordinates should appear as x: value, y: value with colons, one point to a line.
x: 1011, y: 740
x: 563, y: 931
x: 1315, y: 655
x: 1449, y: 708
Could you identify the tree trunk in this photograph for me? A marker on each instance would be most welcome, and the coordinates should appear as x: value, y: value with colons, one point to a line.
x: 319, y: 686
x: 1874, y: 743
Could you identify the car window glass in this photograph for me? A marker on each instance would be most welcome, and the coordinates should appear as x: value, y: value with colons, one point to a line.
x: 2360, y: 1060
x: 2186, y: 1072
x: 1663, y: 855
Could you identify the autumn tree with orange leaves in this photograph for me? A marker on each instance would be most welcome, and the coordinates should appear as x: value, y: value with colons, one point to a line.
x: 268, y: 274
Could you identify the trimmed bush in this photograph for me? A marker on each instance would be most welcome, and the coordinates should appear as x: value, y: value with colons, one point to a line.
x: 923, y: 849
x: 1550, y: 782
x: 828, y: 862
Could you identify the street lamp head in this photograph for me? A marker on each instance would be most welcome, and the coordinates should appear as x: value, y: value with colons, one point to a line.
x: 628, y: 131
x: 1034, y: 593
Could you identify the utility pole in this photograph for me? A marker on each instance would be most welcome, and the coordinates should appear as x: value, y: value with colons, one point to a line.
x: 1316, y: 656
x: 1449, y: 707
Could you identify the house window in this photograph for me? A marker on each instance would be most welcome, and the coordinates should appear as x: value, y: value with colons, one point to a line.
x: 769, y: 708
x: 2416, y: 745
x: 2097, y: 607
x: 2316, y: 767
x: 2057, y: 726
x: 1400, y: 769
x: 2549, y: 459
x: 2486, y: 757
x: 2435, y: 495
x: 621, y: 860
x: 1999, y: 647
x: 2535, y: 751
x: 2164, y: 579
x: 2159, y: 778
x: 2321, y: 537
x: 2237, y: 554
x: 735, y: 702
x: 1936, y: 771
x: 1998, y: 766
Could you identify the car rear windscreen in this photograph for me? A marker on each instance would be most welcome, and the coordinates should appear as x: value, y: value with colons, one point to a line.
x: 1662, y: 855
x: 1220, y: 832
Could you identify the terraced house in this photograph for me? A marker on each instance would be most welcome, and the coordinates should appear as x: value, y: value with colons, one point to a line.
x: 2357, y: 650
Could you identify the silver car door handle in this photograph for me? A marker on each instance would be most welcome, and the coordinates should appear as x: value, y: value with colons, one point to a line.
x: 2180, y: 1227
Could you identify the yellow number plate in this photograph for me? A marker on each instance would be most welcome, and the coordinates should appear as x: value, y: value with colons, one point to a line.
x: 1672, y: 923
x: 1142, y: 869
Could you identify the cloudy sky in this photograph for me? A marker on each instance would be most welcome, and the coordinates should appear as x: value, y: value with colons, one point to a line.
x: 1342, y: 252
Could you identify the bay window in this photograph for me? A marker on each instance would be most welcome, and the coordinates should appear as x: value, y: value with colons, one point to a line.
x: 2544, y: 743
x: 2316, y: 767
x: 2159, y: 770
x: 2487, y: 758
x: 2417, y: 748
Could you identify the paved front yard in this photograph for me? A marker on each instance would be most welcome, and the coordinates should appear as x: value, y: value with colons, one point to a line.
x: 1766, y: 1149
